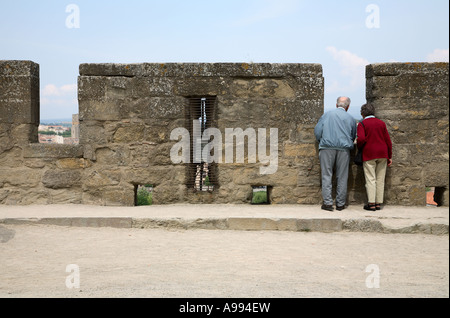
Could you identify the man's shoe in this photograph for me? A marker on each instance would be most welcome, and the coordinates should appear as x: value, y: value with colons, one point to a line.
x: 341, y: 208
x: 327, y: 208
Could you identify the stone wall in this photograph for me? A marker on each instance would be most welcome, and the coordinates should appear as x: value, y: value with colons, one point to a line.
x: 128, y: 111
x: 412, y: 98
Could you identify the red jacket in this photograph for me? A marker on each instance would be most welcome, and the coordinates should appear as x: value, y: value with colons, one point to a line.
x: 375, y: 138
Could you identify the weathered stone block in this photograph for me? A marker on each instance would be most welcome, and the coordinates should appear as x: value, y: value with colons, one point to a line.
x: 21, y: 177
x: 409, y: 86
x: 419, y: 154
x: 300, y: 150
x: 143, y: 87
x: 251, y: 176
x: 11, y: 158
x: 118, y: 88
x: 18, y: 196
x: 91, y: 110
x: 436, y: 174
x: 73, y: 163
x: 155, y: 175
x: 19, y: 92
x: 37, y: 163
x: 252, y: 224
x: 283, y: 195
x: 302, y: 133
x: 169, y: 193
x: 109, y: 69
x: 210, y: 86
x: 91, y: 88
x: 19, y: 111
x: 19, y: 68
x: 119, y: 196
x: 411, y: 131
x: 15, y: 87
x: 406, y: 175
x: 441, y: 131
x: 113, y: 155
x: 129, y: 133
x: 157, y: 108
x: 60, y: 179
x: 309, y: 87
x: 101, y: 178
x: 94, y: 133
x: 52, y: 151
x: 417, y: 196
x: 269, y: 112
x: 62, y: 196
x: 308, y: 195
x: 24, y: 133
x: 201, y: 70
x: 261, y: 88
x: 320, y: 225
x: 145, y: 155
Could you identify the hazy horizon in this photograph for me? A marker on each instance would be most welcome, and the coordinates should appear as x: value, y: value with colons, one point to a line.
x: 342, y: 36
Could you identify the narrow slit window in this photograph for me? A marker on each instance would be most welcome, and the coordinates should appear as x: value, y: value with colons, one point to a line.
x: 200, y: 115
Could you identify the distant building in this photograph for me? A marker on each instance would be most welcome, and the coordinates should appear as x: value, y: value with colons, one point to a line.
x: 71, y: 141
x: 47, y: 139
x: 75, y: 127
x: 58, y: 130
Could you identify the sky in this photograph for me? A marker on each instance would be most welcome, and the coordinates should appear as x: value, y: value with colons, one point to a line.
x: 343, y: 36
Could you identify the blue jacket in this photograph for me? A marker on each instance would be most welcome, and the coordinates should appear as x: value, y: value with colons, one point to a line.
x: 336, y: 129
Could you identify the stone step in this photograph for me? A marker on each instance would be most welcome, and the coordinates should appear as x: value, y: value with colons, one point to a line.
x: 323, y: 225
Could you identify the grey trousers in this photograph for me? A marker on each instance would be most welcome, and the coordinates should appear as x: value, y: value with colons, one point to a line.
x: 328, y: 160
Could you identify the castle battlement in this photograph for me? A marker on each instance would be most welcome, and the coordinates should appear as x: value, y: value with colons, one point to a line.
x: 127, y: 113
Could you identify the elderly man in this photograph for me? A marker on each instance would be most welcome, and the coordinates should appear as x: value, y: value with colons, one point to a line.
x: 336, y: 133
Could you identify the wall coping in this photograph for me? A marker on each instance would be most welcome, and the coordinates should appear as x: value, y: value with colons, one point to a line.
x: 201, y: 70
x: 397, y: 68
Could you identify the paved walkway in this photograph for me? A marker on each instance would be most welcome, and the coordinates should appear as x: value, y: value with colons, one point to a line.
x: 234, y: 252
x: 392, y: 219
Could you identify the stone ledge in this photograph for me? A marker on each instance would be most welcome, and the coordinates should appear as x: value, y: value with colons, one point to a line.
x: 53, y: 151
x: 238, y: 224
x: 201, y: 70
x: 394, y: 69
x: 73, y: 222
x: 17, y: 67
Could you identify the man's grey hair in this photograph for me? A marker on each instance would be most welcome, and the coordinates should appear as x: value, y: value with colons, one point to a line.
x: 343, y: 102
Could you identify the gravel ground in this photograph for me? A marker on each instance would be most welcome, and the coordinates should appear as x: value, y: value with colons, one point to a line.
x: 218, y: 264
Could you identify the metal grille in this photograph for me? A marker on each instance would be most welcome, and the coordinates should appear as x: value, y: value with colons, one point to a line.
x: 202, y: 176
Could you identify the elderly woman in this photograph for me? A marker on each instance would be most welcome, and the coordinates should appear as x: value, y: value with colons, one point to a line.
x: 377, y: 155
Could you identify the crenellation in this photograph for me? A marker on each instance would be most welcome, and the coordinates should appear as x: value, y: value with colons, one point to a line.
x: 127, y: 113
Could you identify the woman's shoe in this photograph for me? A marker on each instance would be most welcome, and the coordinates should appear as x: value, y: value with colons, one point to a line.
x: 378, y: 207
x: 370, y: 207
